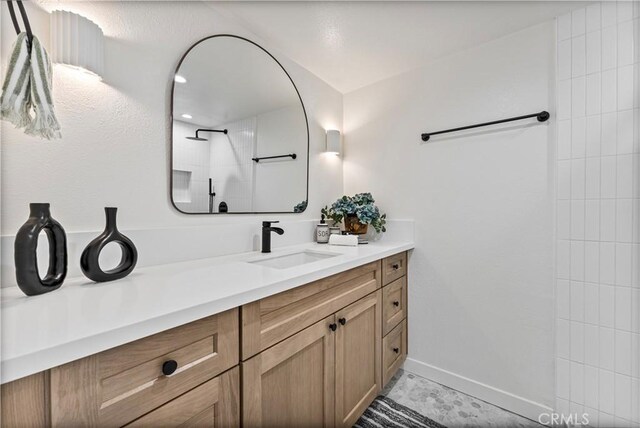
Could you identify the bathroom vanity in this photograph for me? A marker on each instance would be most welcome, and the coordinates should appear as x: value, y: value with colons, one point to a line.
x: 314, y: 353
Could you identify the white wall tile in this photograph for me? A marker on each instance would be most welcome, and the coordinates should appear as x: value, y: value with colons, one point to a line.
x: 625, y: 10
x: 563, y: 339
x: 593, y: 52
x: 624, y: 220
x: 609, y: 58
x: 594, y: 94
x: 577, y: 304
x: 564, y: 219
x: 622, y: 407
x: 593, y: 18
x: 592, y: 226
x: 591, y: 303
x: 577, y: 261
x: 607, y: 348
x: 609, y: 134
x: 608, y: 174
x: 564, y: 179
x: 591, y: 386
x: 635, y: 349
x: 623, y: 312
x: 579, y: 97
x: 606, y: 420
x: 577, y: 383
x: 607, y: 268
x: 635, y: 319
x: 608, y: 220
x: 564, y: 59
x: 623, y: 352
x: 563, y: 378
x: 625, y: 43
x: 591, y: 343
x: 592, y: 184
x: 609, y: 91
x: 625, y: 92
x: 606, y: 384
x: 578, y: 178
x: 564, y: 139
x: 578, y: 56
x: 635, y: 398
x: 564, y: 26
x: 577, y: 219
x: 625, y: 132
x: 623, y: 264
x: 594, y: 129
x: 592, y: 262
x: 609, y: 13
x: 563, y: 259
x: 624, y: 173
x: 578, y: 138
x: 578, y: 22
x: 577, y: 342
x: 563, y: 299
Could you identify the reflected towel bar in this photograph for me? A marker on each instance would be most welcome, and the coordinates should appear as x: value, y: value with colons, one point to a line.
x: 292, y: 156
x: 542, y: 116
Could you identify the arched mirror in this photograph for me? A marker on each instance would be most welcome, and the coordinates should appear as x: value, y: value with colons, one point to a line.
x: 240, y: 140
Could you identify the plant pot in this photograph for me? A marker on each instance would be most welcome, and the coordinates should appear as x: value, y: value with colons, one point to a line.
x: 353, y: 225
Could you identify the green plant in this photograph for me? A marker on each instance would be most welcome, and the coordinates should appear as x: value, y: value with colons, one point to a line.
x: 361, y: 205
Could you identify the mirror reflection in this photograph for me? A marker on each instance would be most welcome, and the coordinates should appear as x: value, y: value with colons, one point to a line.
x: 240, y: 133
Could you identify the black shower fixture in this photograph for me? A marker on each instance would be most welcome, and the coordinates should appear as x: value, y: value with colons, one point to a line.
x: 198, y: 138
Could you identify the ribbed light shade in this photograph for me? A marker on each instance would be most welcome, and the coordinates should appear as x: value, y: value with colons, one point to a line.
x: 76, y: 41
x: 333, y: 142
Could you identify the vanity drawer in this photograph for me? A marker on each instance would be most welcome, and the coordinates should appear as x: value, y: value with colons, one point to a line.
x: 215, y: 403
x: 394, y: 304
x: 394, y: 351
x: 273, y: 319
x: 115, y: 387
x: 394, y: 267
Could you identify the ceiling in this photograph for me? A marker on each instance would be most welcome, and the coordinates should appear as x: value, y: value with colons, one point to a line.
x: 354, y: 44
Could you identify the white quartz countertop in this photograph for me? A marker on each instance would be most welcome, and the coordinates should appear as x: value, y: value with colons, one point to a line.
x: 83, y: 318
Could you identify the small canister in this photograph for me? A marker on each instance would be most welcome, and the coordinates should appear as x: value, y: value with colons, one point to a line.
x: 322, y: 232
x: 335, y: 230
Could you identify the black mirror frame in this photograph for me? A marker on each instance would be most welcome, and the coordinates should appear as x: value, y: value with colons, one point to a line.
x: 304, y: 110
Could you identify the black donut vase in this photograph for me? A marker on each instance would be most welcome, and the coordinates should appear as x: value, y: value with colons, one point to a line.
x: 25, y: 252
x: 89, y: 260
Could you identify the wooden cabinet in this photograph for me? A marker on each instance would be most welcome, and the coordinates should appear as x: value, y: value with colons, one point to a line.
x: 292, y: 383
x: 358, y: 359
x: 315, y: 355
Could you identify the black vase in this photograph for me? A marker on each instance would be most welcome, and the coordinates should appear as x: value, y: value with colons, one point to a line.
x: 89, y: 261
x: 25, y: 252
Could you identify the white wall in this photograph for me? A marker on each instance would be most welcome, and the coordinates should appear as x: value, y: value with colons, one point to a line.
x: 115, y: 145
x: 481, y: 276
x: 190, y: 168
x: 598, y: 218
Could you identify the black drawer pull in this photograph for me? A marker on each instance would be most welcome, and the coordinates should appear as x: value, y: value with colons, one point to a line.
x: 395, y: 266
x: 333, y: 326
x: 169, y: 367
x: 396, y: 303
x: 396, y: 350
x: 342, y: 321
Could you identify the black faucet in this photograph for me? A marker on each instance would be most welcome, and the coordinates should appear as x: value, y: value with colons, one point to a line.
x: 266, y: 234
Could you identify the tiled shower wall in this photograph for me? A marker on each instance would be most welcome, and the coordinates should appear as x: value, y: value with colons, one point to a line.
x: 598, y: 214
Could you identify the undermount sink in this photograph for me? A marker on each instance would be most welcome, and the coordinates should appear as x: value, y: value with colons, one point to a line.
x: 292, y: 260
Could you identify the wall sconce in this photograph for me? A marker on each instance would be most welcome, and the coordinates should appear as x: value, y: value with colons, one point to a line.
x: 333, y: 142
x: 77, y: 42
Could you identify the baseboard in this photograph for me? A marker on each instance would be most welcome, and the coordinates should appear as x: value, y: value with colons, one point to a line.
x: 513, y: 403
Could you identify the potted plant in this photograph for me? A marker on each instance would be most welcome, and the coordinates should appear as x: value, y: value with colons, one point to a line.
x: 358, y: 212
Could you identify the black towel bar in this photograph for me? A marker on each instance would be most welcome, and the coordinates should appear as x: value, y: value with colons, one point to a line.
x: 292, y: 156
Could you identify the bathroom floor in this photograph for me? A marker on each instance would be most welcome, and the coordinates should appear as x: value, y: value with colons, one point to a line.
x: 448, y: 406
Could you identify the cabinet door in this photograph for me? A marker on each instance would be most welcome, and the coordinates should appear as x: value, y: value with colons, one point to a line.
x: 292, y: 383
x: 358, y: 358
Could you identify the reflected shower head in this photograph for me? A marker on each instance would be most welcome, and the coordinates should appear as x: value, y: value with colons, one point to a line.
x: 198, y: 138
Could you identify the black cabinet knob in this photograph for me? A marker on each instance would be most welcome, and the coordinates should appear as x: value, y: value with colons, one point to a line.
x: 396, y: 350
x: 342, y: 321
x: 396, y: 303
x: 169, y: 367
x: 395, y: 266
x: 333, y: 326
